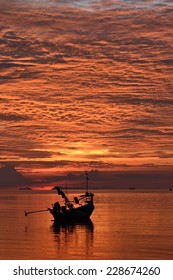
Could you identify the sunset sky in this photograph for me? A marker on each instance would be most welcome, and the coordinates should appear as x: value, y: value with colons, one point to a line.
x: 86, y: 85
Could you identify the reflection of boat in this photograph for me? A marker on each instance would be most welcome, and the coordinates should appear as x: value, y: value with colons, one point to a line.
x: 71, y: 226
x: 73, y: 240
x: 80, y: 209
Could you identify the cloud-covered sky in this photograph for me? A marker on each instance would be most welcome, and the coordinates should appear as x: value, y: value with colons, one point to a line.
x: 86, y: 84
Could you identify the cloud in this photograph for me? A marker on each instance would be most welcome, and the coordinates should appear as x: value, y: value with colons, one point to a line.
x: 80, y: 78
x: 12, y: 117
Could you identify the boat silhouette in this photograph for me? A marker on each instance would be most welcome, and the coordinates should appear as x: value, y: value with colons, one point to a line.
x: 77, y: 210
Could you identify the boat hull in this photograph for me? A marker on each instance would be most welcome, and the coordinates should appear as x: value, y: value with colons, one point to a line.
x: 79, y: 214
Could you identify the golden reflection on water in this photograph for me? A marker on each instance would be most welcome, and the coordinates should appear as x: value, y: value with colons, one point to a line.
x: 124, y: 225
x: 74, y: 240
x: 136, y: 226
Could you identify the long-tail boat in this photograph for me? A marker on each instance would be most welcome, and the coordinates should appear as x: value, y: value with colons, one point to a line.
x: 78, y: 210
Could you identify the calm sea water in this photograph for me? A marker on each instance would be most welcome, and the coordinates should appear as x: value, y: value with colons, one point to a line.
x: 124, y: 225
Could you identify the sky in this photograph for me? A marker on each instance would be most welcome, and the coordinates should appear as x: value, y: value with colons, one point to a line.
x: 86, y: 85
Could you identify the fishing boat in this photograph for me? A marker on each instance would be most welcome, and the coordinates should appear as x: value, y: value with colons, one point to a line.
x: 77, y: 210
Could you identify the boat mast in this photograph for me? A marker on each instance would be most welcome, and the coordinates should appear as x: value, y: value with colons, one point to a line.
x: 86, y: 173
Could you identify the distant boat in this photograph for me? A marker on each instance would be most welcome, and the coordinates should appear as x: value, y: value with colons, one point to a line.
x: 25, y: 189
x: 78, y: 210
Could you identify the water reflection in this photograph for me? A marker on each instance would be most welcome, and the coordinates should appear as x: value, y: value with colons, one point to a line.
x: 74, y: 240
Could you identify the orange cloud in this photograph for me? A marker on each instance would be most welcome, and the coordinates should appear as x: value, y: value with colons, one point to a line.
x: 86, y: 86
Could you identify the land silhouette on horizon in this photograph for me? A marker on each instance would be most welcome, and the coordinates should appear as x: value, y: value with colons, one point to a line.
x: 10, y: 177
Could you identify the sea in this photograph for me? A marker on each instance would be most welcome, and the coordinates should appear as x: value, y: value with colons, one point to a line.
x: 125, y: 225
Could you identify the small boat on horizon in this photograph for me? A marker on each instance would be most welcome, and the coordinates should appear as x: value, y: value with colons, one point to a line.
x: 77, y: 210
